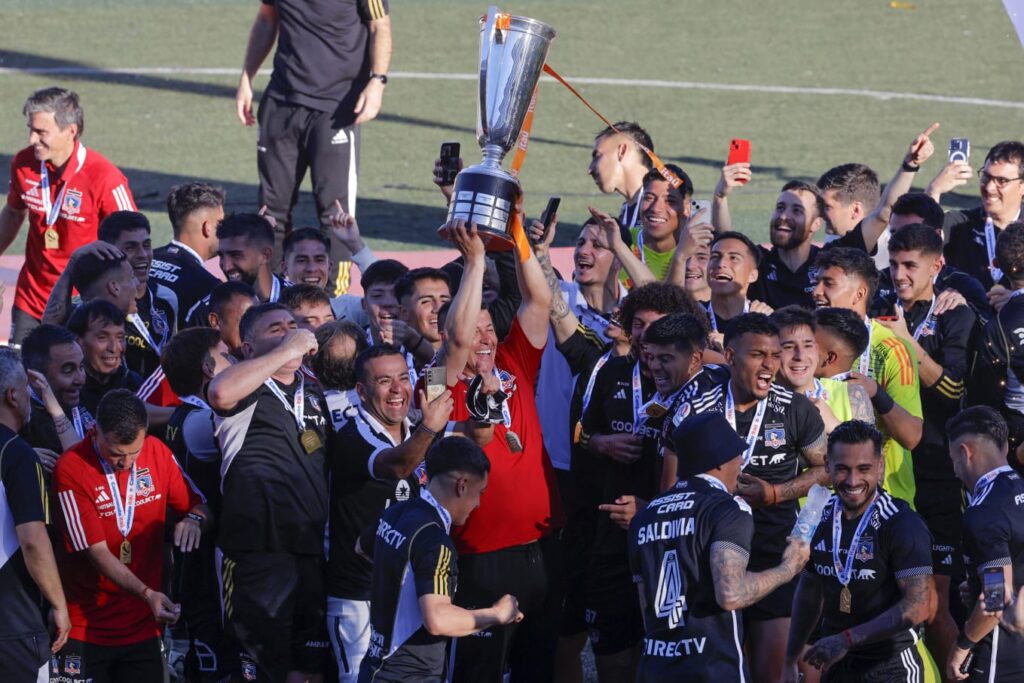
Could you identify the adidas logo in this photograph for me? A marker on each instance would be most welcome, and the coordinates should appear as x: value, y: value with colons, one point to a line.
x: 821, y: 546
x: 340, y: 138
x: 620, y: 394
x: 103, y: 497
x: 948, y: 560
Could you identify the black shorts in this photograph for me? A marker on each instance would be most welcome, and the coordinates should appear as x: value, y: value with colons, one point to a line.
x: 275, y: 615
x: 79, y: 662
x: 940, y: 503
x: 902, y: 667
x: 612, y: 606
x: 577, y: 540
x: 20, y: 658
x: 196, y: 586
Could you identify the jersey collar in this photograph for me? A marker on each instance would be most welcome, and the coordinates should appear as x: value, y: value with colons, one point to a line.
x: 376, y: 426
x: 446, y: 517
x: 77, y: 157
x: 184, y: 247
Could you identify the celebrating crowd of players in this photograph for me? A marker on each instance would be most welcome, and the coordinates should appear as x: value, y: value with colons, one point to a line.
x: 468, y: 472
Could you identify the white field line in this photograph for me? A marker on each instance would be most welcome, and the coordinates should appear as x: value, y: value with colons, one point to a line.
x: 620, y: 82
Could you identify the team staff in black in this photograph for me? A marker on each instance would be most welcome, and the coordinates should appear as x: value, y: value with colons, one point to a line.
x: 785, y: 456
x: 271, y: 429
x: 869, y: 581
x: 695, y: 534
x: 993, y: 538
x: 414, y: 557
x: 376, y: 463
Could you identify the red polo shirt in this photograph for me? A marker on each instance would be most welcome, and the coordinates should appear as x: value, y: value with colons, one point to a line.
x: 101, y: 613
x: 521, y: 503
x: 95, y: 188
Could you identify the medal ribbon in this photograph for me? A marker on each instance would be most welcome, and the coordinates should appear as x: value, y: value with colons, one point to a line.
x: 52, y: 211
x: 990, y: 250
x: 140, y: 325
x: 755, y: 425
x: 711, y: 313
x: 985, y: 482
x: 124, y: 512
x: 275, y: 289
x: 299, y: 409
x: 865, y: 358
x: 76, y: 420
x: 818, y: 391
x: 194, y: 400
x: 593, y: 379
x: 844, y: 572
x: 921, y: 325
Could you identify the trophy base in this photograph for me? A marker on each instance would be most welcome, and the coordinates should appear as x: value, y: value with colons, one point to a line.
x: 485, y: 196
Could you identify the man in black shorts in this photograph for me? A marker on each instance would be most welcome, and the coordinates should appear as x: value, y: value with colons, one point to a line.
x: 271, y: 426
x: 869, y: 581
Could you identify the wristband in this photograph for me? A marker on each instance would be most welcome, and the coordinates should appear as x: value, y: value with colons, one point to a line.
x: 145, y: 592
x: 882, y: 401
x: 910, y: 168
x: 428, y: 430
x: 775, y: 495
x: 965, y: 643
x: 518, y: 232
x: 849, y: 639
x: 195, y: 518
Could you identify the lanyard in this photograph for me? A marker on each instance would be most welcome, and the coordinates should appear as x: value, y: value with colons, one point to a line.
x: 865, y: 358
x: 194, y: 400
x: 638, y: 248
x: 990, y: 250
x: 140, y: 325
x: 818, y: 391
x: 636, y: 211
x: 921, y: 325
x: 985, y: 482
x: 844, y: 572
x: 711, y: 313
x: 275, y: 289
x: 124, y: 512
x: 506, y: 412
x: 52, y: 211
x: 76, y: 420
x: 714, y: 481
x: 411, y: 363
x: 445, y: 515
x: 593, y: 379
x: 755, y: 425
x: 299, y: 408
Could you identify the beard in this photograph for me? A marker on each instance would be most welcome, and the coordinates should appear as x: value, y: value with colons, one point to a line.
x: 790, y: 241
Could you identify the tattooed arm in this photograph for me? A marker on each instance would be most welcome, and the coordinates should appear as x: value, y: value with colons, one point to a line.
x: 798, y: 486
x: 860, y: 404
x: 563, y: 320
x: 736, y: 588
x: 914, y: 608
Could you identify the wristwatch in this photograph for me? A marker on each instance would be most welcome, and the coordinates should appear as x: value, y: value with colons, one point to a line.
x: 383, y: 78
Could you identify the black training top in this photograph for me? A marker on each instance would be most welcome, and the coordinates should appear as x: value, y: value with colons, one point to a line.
x: 965, y: 245
x: 181, y: 270
x: 778, y: 286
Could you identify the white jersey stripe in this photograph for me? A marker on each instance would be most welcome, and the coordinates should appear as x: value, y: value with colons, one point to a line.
x: 69, y: 506
x: 739, y: 645
x: 995, y: 654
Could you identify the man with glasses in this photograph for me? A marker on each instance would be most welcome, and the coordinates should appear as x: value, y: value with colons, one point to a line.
x: 972, y: 234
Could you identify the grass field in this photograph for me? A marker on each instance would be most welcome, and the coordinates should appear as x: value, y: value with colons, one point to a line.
x: 166, y: 128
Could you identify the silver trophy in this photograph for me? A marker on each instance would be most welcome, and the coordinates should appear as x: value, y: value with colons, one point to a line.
x: 512, y: 54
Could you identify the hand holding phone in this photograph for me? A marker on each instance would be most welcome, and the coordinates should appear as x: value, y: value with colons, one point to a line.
x: 993, y: 589
x: 450, y: 152
x: 435, y: 380
x: 546, y: 218
x: 959, y: 150
x: 739, y: 153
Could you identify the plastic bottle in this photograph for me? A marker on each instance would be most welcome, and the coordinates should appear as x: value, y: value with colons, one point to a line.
x: 810, y: 513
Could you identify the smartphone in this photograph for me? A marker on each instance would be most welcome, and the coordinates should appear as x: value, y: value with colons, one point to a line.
x: 887, y: 318
x: 959, y: 150
x: 965, y: 666
x: 993, y: 589
x: 435, y: 380
x: 699, y: 205
x: 450, y: 153
x: 739, y: 152
x: 549, y: 213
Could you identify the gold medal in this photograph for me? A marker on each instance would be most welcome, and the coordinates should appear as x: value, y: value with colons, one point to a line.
x: 51, y: 238
x: 126, y: 552
x: 310, y: 441
x: 514, y: 443
x: 845, y: 600
x: 655, y: 410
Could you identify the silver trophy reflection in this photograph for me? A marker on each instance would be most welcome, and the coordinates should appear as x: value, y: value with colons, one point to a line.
x: 512, y: 54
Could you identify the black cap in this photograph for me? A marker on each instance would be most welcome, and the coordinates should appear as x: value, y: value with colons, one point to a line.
x: 703, y: 442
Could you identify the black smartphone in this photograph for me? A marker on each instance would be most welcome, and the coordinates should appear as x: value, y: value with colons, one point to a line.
x: 549, y: 213
x: 959, y: 150
x: 993, y: 590
x: 965, y: 666
x: 450, y: 153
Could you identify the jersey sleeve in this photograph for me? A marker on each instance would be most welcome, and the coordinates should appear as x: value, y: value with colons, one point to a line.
x: 14, y: 190
x: 807, y: 423
x: 910, y: 545
x: 433, y: 561
x: 986, y: 539
x: 519, y: 354
x: 732, y: 523
x: 82, y: 527
x: 900, y: 379
x: 182, y: 494
x: 115, y: 196
x: 371, y: 10
x: 582, y: 349
x: 24, y: 483
x: 958, y: 325
x: 239, y: 407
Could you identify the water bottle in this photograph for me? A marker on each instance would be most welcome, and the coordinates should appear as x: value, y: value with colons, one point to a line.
x: 810, y: 513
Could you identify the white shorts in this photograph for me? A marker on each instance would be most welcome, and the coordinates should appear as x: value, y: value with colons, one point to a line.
x: 348, y: 623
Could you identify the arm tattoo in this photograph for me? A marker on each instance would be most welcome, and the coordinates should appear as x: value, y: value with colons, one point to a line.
x: 559, y: 308
x: 860, y: 404
x: 911, y: 610
x: 62, y: 423
x: 814, y: 453
x: 814, y: 457
x: 735, y: 587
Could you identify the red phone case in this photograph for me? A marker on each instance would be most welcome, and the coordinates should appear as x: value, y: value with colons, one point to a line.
x: 739, y: 152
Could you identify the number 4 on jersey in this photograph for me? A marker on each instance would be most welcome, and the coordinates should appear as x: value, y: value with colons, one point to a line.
x: 670, y: 598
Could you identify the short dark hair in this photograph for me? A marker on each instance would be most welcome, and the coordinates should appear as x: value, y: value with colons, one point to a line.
x: 687, y: 187
x: 186, y: 198
x: 304, y: 295
x: 183, y: 356
x: 851, y: 261
x: 35, y: 349
x: 120, y: 415
x: 682, y: 330
x: 62, y: 103
x: 252, y: 226
x: 916, y: 237
x: 979, y: 421
x: 855, y: 432
x: 304, y: 235
x: 804, y: 186
x: 90, y: 269
x: 921, y: 205
x: 247, y: 325
x: 660, y: 297
x: 332, y: 372
x: 755, y: 252
x: 385, y: 271
x: 789, y: 317
x: 113, y: 226
x: 845, y: 324
x: 364, y: 357
x: 750, y: 323
x: 634, y: 132
x: 456, y: 454
x: 1010, y: 251
x: 222, y: 294
x: 406, y: 283
x: 852, y: 183
x: 1007, y: 152
x: 98, y: 310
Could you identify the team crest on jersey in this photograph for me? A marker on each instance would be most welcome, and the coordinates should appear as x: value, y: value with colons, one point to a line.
x: 865, y: 550
x: 402, y: 490
x: 508, y: 382
x: 314, y: 402
x: 72, y: 202
x: 775, y: 436
x: 248, y: 669
x: 682, y: 413
x: 73, y: 665
x: 930, y: 326
x: 144, y: 483
x: 159, y: 322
